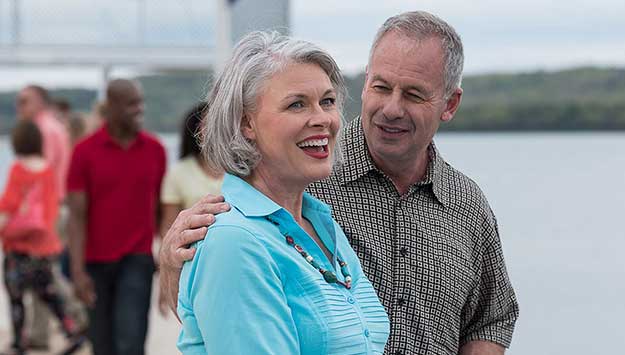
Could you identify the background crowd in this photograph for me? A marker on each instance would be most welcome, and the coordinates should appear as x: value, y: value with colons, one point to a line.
x: 93, y: 186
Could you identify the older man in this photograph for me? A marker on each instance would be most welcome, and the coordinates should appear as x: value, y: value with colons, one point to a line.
x: 424, y: 232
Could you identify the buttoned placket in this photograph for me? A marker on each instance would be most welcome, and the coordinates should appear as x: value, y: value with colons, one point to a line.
x: 325, y: 263
x: 400, y: 257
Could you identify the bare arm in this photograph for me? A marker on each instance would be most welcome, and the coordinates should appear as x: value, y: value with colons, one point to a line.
x: 169, y: 212
x: 482, y: 348
x: 77, y: 227
x: 188, y: 227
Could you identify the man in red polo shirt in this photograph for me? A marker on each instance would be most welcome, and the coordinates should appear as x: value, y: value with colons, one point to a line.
x: 113, y: 191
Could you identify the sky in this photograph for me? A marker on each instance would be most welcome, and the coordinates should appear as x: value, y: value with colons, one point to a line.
x: 498, y: 36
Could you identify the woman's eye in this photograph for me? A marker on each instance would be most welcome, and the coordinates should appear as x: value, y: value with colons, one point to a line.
x: 296, y: 105
x: 330, y: 101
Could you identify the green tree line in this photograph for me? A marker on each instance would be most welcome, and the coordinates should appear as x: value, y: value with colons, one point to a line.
x: 575, y: 99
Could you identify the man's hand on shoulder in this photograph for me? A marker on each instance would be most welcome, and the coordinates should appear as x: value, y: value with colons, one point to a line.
x: 190, y: 226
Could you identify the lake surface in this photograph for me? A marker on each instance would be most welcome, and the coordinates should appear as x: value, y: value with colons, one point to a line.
x: 560, y: 203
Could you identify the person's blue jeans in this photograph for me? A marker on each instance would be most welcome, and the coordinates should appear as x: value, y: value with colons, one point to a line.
x: 118, y: 322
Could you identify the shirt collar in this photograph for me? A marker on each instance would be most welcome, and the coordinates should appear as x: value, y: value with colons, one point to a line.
x: 436, y: 176
x: 253, y: 203
x: 105, y: 137
x: 357, y: 163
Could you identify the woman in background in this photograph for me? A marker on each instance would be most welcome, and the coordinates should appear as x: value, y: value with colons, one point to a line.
x: 30, y: 250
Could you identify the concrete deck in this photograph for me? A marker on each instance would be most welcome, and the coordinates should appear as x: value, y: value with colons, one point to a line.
x: 162, y: 333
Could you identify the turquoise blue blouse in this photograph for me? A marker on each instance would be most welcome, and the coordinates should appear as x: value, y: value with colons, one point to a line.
x: 247, y: 291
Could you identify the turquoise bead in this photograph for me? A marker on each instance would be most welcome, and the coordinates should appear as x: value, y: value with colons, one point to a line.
x: 329, y: 277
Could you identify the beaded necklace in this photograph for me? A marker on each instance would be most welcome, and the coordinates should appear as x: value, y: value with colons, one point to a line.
x: 328, y: 275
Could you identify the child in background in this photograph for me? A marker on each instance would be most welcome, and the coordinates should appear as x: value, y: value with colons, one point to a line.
x: 29, y: 255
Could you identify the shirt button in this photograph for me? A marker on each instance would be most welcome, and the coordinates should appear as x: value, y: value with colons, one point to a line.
x: 399, y: 352
x: 403, y: 251
x: 400, y: 301
x: 351, y: 300
x: 367, y: 333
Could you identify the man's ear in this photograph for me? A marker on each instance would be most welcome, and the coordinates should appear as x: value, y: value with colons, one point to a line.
x: 453, y: 103
x: 247, y: 128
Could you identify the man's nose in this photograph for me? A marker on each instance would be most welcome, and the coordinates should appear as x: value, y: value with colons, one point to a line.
x: 393, y: 106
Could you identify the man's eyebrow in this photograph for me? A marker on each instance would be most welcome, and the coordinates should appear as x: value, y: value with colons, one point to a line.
x: 418, y: 88
x: 377, y: 77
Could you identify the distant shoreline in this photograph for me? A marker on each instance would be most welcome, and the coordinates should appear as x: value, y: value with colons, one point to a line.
x: 581, y: 99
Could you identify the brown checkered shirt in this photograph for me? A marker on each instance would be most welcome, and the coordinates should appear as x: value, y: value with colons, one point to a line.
x: 433, y: 254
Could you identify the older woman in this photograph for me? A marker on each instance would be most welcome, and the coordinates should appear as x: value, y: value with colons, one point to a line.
x: 276, y: 275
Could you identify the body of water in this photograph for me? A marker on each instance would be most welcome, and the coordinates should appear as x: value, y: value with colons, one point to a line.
x: 560, y: 202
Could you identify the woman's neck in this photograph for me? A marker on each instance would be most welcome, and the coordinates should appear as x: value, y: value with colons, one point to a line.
x: 283, y: 193
x: 206, y: 169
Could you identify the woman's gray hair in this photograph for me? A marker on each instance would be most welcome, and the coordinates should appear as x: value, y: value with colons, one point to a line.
x: 255, y: 59
x: 420, y: 25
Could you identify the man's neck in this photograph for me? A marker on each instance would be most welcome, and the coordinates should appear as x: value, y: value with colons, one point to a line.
x: 41, y: 115
x: 404, y: 172
x: 120, y: 136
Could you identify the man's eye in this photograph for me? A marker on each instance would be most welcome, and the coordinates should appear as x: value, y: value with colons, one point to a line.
x: 414, y: 97
x: 380, y: 88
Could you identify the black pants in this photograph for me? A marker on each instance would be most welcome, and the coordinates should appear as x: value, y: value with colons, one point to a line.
x: 22, y: 272
x: 118, y: 323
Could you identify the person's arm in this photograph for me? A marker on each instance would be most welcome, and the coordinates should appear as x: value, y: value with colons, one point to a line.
x: 169, y: 213
x: 189, y: 226
x: 482, y: 348
x: 76, y: 228
x: 57, y: 151
x: 77, y: 182
x: 10, y: 199
x: 492, y: 309
x: 161, y: 174
x: 232, y: 300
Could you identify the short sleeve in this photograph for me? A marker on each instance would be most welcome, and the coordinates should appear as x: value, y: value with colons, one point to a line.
x: 78, y: 169
x: 492, y: 308
x: 10, y: 200
x: 232, y: 300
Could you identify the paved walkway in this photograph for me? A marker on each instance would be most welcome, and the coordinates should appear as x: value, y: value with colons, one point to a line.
x: 162, y: 333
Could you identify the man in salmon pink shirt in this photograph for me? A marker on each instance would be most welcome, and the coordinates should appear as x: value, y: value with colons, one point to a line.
x: 33, y: 103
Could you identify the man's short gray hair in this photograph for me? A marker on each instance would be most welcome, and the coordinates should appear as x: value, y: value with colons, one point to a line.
x: 420, y: 25
x: 256, y: 58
